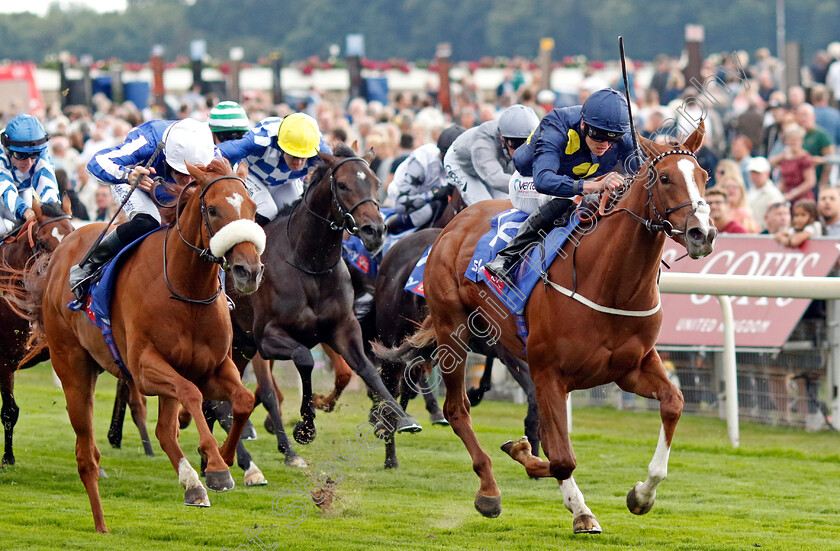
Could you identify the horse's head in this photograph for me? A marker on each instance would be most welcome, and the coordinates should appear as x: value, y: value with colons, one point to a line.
x: 51, y: 224
x: 677, y: 186
x: 227, y: 212
x: 354, y: 186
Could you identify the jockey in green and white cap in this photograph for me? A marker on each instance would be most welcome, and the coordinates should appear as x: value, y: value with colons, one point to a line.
x: 228, y: 121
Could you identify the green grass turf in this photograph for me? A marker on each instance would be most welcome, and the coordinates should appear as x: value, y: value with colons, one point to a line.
x: 779, y: 490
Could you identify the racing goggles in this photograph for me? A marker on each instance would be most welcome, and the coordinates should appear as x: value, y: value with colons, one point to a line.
x: 601, y: 135
x: 515, y: 143
x: 23, y: 155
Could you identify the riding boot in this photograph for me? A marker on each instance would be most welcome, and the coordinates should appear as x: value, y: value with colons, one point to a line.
x: 539, y: 223
x: 105, y: 251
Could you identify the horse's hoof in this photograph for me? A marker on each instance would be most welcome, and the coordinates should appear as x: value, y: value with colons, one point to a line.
x: 102, y: 473
x: 634, y: 505
x: 303, y: 434
x: 437, y: 418
x: 320, y: 401
x: 196, y: 497
x: 408, y: 424
x: 391, y: 463
x: 249, y: 432
x: 474, y: 396
x: 586, y: 524
x: 490, y: 507
x: 269, y: 425
x: 8, y: 460
x: 254, y: 476
x: 508, y: 447
x: 220, y: 481
x: 296, y: 461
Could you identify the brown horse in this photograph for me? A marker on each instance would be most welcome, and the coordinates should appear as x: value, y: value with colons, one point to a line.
x: 606, y: 335
x: 170, y: 323
x: 34, y: 239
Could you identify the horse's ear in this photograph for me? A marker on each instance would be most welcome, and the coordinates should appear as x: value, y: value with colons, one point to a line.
x: 327, y: 158
x: 369, y: 156
x: 695, y: 141
x: 194, y: 172
x: 647, y: 146
x: 355, y: 146
x: 66, y: 206
x: 242, y: 170
x: 36, y: 206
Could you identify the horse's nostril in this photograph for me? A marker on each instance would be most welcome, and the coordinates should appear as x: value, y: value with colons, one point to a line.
x: 695, y: 235
x: 240, y: 272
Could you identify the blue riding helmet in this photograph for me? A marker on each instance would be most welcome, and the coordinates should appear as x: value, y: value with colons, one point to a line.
x: 606, y: 109
x: 25, y: 134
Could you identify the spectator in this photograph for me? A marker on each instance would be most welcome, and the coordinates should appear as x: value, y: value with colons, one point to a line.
x: 741, y: 152
x: 777, y: 218
x: 104, y: 204
x: 829, y: 209
x: 77, y: 208
x: 816, y: 142
x: 796, y: 97
x: 796, y: 168
x: 659, y: 81
x: 832, y: 78
x: 763, y: 192
x: 773, y: 126
x: 719, y: 207
x: 828, y: 118
x: 739, y: 208
x: 724, y: 168
x: 804, y: 225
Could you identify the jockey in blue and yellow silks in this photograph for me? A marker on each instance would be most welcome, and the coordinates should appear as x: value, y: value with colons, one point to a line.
x: 566, y: 155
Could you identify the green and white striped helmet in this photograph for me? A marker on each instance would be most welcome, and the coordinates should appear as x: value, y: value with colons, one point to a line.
x: 228, y: 115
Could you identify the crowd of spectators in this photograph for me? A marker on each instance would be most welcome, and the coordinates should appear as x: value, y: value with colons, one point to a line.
x: 764, y: 146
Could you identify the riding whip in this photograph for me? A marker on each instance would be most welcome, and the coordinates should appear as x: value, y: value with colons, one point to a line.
x: 627, y: 92
x: 136, y: 183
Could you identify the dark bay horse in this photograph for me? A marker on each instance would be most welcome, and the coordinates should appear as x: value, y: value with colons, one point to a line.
x: 307, y: 298
x: 33, y: 240
x: 170, y: 323
x: 606, y: 334
x: 398, y: 314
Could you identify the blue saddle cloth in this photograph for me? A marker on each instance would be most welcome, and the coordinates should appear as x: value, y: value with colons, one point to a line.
x: 504, y: 226
x: 98, y: 303
x: 415, y: 280
x: 354, y: 252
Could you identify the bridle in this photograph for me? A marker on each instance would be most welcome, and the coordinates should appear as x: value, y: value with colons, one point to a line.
x: 348, y: 222
x: 31, y: 230
x: 661, y: 223
x: 204, y: 254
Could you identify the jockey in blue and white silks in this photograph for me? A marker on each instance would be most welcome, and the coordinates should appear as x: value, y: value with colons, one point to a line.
x: 25, y: 167
x: 182, y: 141
x: 279, y: 152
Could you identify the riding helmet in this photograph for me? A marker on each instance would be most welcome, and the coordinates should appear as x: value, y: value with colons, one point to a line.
x: 25, y: 134
x: 518, y: 121
x: 606, y: 109
x: 299, y: 136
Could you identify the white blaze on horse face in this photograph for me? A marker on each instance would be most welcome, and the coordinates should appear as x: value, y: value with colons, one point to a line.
x: 236, y: 202
x: 701, y: 209
x: 361, y: 176
x: 57, y: 235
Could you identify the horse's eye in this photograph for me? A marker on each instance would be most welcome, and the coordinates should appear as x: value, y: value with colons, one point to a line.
x: 342, y: 186
x: 212, y: 211
x: 664, y: 179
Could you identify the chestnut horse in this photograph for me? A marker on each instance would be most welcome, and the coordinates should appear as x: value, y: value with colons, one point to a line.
x: 606, y: 333
x: 34, y: 239
x: 170, y: 323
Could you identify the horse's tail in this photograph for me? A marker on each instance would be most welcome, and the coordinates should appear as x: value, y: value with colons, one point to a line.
x: 418, y: 346
x: 23, y: 290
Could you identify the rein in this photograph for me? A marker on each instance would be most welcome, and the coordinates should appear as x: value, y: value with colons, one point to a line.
x: 661, y: 224
x: 204, y: 254
x: 348, y: 222
x: 31, y: 231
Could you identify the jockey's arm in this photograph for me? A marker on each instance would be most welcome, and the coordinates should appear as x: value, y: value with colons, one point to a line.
x: 9, y: 194
x: 44, y: 182
x: 486, y: 164
x: 236, y: 150
x: 114, y: 164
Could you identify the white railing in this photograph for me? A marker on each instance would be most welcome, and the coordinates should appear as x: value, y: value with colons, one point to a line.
x: 724, y: 286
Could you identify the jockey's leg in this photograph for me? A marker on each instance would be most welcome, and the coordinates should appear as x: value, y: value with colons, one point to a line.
x: 538, y: 224
x: 140, y: 223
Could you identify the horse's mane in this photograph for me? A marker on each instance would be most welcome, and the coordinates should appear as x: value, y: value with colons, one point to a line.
x: 341, y: 150
x: 53, y: 209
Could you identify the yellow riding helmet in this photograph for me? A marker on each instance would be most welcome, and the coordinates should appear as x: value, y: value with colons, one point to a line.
x: 299, y: 136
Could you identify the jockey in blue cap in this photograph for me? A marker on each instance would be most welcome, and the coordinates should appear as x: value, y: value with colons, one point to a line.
x: 25, y: 167
x: 566, y: 155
